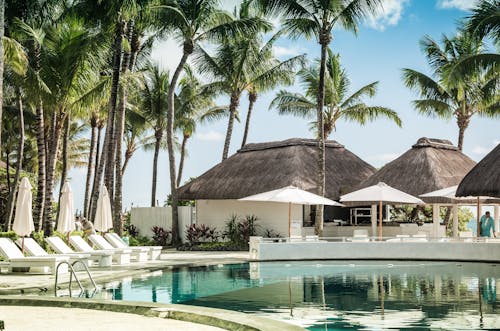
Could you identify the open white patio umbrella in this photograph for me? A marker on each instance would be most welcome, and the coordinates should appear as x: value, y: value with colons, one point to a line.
x: 65, y: 221
x: 23, y: 219
x: 291, y: 195
x: 380, y: 193
x: 448, y: 195
x: 103, y: 219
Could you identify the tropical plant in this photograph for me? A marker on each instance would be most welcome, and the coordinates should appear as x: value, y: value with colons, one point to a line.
x: 485, y: 20
x: 317, y: 18
x: 461, y: 98
x: 339, y: 105
x: 192, y: 21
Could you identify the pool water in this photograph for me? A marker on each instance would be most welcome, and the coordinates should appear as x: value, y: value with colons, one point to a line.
x: 322, y: 295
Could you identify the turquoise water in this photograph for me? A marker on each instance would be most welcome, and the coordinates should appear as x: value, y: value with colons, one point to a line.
x: 334, y: 295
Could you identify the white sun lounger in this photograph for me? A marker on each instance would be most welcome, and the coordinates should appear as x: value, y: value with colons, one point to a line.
x: 139, y: 255
x: 16, y: 258
x: 59, y: 246
x: 32, y: 248
x: 117, y: 242
x: 119, y: 256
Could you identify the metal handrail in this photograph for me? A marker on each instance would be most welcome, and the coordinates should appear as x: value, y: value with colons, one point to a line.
x: 73, y: 272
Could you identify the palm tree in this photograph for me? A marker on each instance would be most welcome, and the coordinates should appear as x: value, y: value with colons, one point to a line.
x: 136, y: 136
x: 318, y: 18
x: 485, y: 20
x: 461, y: 98
x: 154, y: 108
x: 192, y: 21
x: 339, y: 105
x: 194, y: 104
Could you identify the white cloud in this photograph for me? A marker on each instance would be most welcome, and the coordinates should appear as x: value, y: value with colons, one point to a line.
x: 480, y: 150
x: 210, y: 136
x: 389, y: 15
x: 457, y: 4
x: 280, y: 51
x: 383, y: 158
x: 167, y: 53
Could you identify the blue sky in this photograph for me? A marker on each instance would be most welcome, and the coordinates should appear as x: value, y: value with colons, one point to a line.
x: 386, y: 43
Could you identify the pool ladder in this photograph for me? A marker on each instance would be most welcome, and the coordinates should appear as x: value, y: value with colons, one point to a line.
x: 73, y: 273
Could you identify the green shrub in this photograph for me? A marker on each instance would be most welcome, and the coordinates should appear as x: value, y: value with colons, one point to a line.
x: 10, y: 234
x: 140, y: 241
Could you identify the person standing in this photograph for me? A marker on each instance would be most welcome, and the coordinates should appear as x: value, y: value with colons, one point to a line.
x: 487, y: 225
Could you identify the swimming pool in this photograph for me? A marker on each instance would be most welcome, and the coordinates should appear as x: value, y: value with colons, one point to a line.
x: 321, y: 295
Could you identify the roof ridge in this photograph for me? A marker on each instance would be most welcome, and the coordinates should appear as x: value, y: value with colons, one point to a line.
x: 287, y: 143
x: 435, y: 143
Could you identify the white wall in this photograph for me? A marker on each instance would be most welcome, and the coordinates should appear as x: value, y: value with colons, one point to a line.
x: 271, y: 215
x: 145, y: 218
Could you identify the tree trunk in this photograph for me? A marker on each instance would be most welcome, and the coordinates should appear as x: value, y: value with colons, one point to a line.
x: 64, y: 172
x: 53, y: 151
x: 235, y: 101
x: 95, y: 182
x: 120, y: 128
x: 324, y: 40
x: 463, y: 123
x: 107, y: 155
x: 42, y: 158
x: 90, y: 164
x: 252, y: 97
x: 183, y: 155
x: 187, y: 50
x: 20, y: 150
x: 159, y: 137
x: 7, y: 167
x: 128, y: 155
x: 2, y: 25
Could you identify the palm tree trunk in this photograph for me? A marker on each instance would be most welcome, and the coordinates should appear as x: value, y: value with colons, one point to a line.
x: 187, y: 50
x: 463, y: 123
x: 252, y: 97
x: 53, y: 151
x: 183, y: 155
x: 64, y: 172
x: 7, y: 167
x: 159, y: 137
x: 20, y: 150
x: 120, y: 128
x: 235, y: 100
x: 128, y: 155
x: 107, y: 154
x: 2, y: 25
x: 324, y: 40
x: 42, y: 158
x: 95, y: 182
x: 90, y: 165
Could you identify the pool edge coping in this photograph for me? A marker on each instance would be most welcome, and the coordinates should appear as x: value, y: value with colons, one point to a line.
x: 225, y: 319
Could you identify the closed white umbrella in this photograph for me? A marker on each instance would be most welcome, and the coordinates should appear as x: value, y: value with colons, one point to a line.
x: 103, y: 219
x: 23, y: 219
x: 291, y: 195
x: 380, y: 193
x: 65, y: 221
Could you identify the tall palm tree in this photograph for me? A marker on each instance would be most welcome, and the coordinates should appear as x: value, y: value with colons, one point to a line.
x: 339, y: 104
x: 318, y: 18
x: 192, y: 21
x: 136, y: 136
x: 461, y: 98
x: 485, y: 20
x: 153, y: 98
x: 194, y: 104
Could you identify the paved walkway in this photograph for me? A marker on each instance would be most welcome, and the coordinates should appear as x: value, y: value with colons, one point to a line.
x: 61, y: 319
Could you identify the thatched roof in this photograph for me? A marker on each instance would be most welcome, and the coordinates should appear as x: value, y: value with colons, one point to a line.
x: 430, y: 165
x: 258, y: 168
x: 484, y: 178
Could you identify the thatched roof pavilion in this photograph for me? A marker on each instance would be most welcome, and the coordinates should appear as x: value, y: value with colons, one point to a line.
x: 268, y: 166
x: 484, y: 178
x: 430, y: 165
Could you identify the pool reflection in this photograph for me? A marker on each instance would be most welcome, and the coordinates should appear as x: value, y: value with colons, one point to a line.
x: 330, y: 295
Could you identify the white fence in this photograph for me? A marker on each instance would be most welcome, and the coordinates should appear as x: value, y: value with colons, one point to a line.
x: 145, y: 218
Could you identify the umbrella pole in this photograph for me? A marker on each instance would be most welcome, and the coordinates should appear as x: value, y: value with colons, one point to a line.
x: 478, y: 232
x: 289, y: 219
x: 380, y: 220
x: 22, y: 245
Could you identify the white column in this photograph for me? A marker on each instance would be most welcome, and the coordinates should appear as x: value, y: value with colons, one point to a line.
x: 435, y: 220
x: 496, y: 217
x: 374, y: 220
x: 455, y: 220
